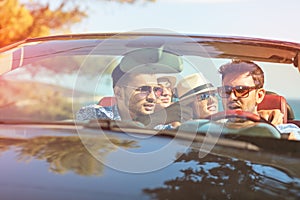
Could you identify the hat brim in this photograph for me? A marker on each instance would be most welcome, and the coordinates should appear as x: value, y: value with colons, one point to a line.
x: 196, y: 91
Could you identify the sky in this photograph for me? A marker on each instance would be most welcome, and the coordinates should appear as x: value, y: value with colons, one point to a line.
x: 269, y: 19
x: 273, y: 19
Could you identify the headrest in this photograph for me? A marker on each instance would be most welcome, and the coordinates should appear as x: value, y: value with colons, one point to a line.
x: 274, y: 101
x: 107, y: 101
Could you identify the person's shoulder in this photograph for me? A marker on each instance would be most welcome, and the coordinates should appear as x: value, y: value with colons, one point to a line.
x: 87, y: 112
x: 91, y: 108
x: 292, y: 129
x: 287, y: 128
x: 93, y: 111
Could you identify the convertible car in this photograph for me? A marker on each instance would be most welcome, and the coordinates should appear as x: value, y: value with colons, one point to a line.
x: 47, y: 153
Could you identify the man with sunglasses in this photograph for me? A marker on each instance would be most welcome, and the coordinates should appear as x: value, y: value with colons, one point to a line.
x: 136, y: 95
x: 242, y: 89
x: 242, y: 86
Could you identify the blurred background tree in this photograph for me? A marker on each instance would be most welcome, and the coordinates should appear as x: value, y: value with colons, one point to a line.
x: 19, y: 21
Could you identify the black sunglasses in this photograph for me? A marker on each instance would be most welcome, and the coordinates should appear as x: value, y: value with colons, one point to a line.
x: 239, y: 91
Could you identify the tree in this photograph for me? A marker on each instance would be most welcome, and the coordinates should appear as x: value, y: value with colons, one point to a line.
x: 19, y: 21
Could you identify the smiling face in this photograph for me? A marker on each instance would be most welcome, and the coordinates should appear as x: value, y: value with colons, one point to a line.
x: 205, y: 104
x: 248, y: 103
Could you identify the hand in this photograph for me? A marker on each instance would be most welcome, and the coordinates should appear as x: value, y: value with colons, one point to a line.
x: 294, y: 136
x: 273, y: 116
x: 175, y: 124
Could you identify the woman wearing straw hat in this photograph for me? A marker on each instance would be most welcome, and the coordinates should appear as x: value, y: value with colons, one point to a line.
x: 199, y: 94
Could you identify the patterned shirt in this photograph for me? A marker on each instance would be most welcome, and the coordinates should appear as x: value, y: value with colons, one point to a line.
x: 110, y: 112
x: 289, y: 128
x: 98, y: 112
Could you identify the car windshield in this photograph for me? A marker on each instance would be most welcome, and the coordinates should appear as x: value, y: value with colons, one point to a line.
x: 52, y: 79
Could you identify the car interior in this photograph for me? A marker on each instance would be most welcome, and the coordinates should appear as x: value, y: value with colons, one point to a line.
x: 274, y: 101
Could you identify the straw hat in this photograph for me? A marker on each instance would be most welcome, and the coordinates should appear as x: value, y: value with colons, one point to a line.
x: 192, y: 85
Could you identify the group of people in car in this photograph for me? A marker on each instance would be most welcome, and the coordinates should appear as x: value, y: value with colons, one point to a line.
x: 150, y: 99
